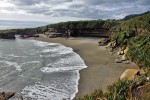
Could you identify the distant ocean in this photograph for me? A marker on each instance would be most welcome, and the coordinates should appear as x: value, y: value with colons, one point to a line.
x: 39, y: 70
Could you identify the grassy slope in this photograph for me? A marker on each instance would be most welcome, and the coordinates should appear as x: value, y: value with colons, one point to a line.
x: 141, y: 24
x: 138, y: 42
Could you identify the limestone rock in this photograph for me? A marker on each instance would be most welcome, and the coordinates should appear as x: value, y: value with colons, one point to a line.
x: 123, y: 58
x: 129, y: 74
x: 148, y: 79
x: 113, y: 44
x: 126, y: 50
x: 127, y: 62
x: 103, y: 42
x: 118, y: 61
x: 121, y: 51
x: 123, y: 48
x: 109, y: 49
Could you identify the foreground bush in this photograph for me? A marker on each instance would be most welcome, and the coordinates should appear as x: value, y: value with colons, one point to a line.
x: 117, y: 91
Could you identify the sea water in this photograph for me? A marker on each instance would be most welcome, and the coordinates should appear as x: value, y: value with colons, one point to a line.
x: 39, y: 70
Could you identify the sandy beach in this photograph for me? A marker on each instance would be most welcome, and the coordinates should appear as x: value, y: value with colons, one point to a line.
x: 102, y: 69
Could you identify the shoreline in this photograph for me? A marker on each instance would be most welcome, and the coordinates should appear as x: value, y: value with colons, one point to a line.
x: 101, y: 68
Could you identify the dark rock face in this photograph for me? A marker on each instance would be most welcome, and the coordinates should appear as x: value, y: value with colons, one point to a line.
x: 7, y: 35
x: 27, y: 36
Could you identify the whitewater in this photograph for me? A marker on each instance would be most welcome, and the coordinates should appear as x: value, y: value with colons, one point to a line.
x: 39, y: 70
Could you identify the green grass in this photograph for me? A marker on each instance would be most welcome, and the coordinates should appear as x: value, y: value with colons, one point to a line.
x: 7, y: 31
x: 139, y: 50
x: 117, y: 91
x: 122, y: 37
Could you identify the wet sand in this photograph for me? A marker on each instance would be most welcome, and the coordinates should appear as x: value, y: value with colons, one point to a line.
x: 102, y: 69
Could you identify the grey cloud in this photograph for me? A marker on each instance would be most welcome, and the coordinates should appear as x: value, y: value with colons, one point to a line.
x: 94, y: 9
x: 33, y: 2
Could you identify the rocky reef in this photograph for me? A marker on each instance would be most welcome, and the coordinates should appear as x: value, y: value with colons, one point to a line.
x: 7, y: 35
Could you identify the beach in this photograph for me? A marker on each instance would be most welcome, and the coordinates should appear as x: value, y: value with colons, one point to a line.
x: 101, y: 68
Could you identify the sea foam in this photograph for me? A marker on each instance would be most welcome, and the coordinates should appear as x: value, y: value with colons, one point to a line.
x: 49, y: 71
x: 14, y: 64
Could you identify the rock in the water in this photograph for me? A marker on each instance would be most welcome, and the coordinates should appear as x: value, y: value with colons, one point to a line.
x: 10, y: 35
x: 6, y: 95
x: 129, y: 74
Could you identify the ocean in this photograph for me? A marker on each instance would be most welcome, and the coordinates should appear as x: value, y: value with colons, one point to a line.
x: 39, y: 70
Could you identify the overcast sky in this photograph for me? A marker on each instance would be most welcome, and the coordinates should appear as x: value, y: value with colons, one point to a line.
x: 42, y: 12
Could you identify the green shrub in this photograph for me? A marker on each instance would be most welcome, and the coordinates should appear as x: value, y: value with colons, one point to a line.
x: 93, y: 96
x: 139, y: 50
x: 118, y: 90
x: 122, y: 37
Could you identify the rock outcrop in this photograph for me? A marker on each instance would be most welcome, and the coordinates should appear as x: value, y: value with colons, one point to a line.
x: 103, y: 42
x: 122, y: 50
x: 6, y: 95
x: 118, y: 61
x: 7, y: 35
x: 112, y: 44
x: 27, y: 36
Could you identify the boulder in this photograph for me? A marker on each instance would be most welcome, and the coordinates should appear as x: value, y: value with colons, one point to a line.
x: 121, y: 50
x: 109, y: 49
x: 118, y: 61
x: 123, y: 58
x: 103, y: 42
x: 113, y: 44
x: 121, y: 53
x: 123, y: 47
x: 127, y: 62
x: 6, y: 95
x: 126, y: 50
x: 129, y: 74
